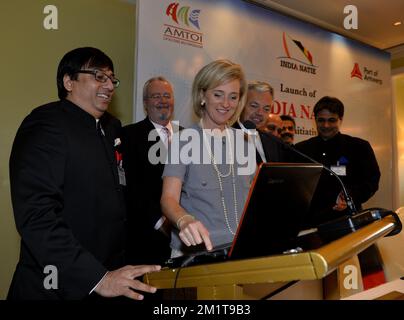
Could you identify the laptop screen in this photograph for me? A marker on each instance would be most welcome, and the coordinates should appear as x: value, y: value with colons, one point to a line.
x: 278, y: 203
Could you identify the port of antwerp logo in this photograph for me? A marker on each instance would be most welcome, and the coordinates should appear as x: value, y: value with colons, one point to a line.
x: 183, y: 15
x: 366, y: 74
x: 298, y: 57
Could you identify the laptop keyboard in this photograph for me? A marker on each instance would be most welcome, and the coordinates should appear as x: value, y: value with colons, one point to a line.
x: 217, y: 254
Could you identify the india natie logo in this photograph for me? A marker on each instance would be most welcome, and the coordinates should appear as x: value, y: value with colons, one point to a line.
x: 183, y: 15
x: 298, y: 57
x: 306, y: 53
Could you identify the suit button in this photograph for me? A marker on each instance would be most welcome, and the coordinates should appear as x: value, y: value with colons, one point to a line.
x: 119, y: 189
x: 204, y: 183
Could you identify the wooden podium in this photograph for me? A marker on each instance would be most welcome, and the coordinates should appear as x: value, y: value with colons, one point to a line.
x: 225, y: 280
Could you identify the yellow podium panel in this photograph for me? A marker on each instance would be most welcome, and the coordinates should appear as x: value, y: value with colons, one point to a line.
x: 224, y: 280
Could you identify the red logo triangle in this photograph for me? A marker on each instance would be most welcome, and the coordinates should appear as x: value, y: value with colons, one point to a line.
x: 356, y: 72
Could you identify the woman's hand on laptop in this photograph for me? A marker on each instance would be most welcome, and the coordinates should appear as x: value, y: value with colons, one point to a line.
x: 193, y: 232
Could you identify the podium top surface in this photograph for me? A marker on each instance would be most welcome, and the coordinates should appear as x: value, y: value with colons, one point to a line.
x: 308, y: 265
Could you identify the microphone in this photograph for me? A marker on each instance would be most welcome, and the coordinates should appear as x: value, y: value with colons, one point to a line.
x: 348, y: 199
x: 248, y: 124
x: 355, y: 219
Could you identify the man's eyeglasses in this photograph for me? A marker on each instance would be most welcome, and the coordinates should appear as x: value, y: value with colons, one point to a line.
x: 100, y: 76
x: 158, y: 96
x: 274, y: 128
x: 289, y: 128
x: 265, y: 108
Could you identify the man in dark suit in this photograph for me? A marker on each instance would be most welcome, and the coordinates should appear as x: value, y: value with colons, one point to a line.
x: 354, y: 161
x: 351, y: 158
x: 66, y: 187
x: 147, y: 225
x: 256, y: 110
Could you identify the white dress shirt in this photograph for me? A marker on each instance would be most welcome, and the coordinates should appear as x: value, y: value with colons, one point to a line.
x: 255, y: 140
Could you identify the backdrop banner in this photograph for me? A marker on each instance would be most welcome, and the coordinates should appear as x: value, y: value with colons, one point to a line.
x: 301, y: 61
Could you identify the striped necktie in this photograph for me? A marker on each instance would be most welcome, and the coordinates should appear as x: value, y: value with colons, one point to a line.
x: 167, y: 134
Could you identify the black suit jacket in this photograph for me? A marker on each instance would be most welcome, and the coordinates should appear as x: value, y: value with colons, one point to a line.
x: 144, y: 186
x: 274, y: 149
x: 68, y: 203
x: 362, y: 172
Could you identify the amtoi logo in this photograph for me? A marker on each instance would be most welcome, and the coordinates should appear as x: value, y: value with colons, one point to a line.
x: 186, y: 17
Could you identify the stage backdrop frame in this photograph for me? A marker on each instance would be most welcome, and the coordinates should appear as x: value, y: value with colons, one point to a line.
x: 301, y: 61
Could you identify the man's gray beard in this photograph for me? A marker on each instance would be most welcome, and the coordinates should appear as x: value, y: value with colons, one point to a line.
x: 164, y: 117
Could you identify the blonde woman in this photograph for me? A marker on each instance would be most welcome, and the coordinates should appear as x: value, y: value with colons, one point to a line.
x: 205, y: 201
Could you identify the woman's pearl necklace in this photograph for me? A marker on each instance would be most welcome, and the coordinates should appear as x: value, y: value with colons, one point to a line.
x: 221, y: 175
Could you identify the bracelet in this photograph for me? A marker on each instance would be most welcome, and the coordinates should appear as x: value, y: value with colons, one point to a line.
x: 181, y: 218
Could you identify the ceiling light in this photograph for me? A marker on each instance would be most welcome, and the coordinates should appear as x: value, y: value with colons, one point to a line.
x: 397, y: 23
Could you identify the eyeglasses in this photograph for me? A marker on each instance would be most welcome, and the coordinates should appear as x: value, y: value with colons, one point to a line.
x: 289, y: 128
x: 329, y: 120
x: 158, y: 96
x: 101, y: 76
x: 265, y: 108
x: 273, y: 128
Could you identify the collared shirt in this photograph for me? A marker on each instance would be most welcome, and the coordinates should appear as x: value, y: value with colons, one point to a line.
x: 164, y: 138
x: 161, y: 131
x: 256, y: 140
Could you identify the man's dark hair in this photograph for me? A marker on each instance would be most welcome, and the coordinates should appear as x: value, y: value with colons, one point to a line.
x: 331, y: 104
x: 285, y: 117
x: 77, y: 59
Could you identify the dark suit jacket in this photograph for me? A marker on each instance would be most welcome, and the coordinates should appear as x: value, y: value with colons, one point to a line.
x: 274, y: 149
x: 68, y: 204
x: 144, y: 186
x: 362, y: 172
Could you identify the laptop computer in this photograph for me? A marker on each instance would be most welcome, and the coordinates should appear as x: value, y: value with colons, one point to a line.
x: 277, y: 204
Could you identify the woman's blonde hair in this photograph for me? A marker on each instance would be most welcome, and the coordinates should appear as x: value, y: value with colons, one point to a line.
x: 214, y: 74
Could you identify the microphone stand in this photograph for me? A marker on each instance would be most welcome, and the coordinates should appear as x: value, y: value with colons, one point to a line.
x: 345, y: 224
x: 249, y: 125
x: 354, y: 220
x: 350, y: 204
x: 348, y: 199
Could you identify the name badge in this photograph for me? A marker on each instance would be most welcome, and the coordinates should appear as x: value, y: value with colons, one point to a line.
x: 121, y: 175
x: 339, y: 170
x: 121, y: 170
